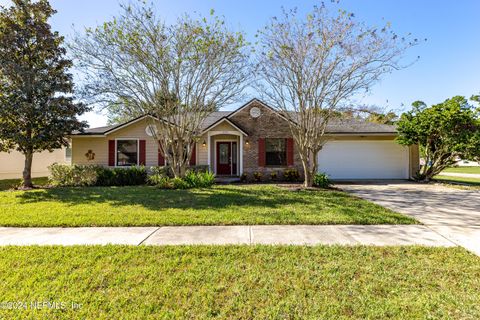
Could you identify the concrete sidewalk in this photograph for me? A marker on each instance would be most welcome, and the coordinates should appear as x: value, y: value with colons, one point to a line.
x: 379, y: 235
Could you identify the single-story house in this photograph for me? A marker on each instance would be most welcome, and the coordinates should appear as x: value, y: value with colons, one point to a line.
x: 255, y: 138
x: 12, y: 163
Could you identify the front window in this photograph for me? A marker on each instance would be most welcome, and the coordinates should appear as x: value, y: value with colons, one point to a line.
x: 275, y: 152
x: 127, y: 153
x: 68, y: 154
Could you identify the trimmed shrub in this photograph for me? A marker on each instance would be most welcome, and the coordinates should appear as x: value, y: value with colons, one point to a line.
x: 179, y: 183
x: 321, y: 180
x: 257, y: 176
x: 93, y: 175
x: 291, y: 174
x: 273, y: 175
x: 131, y: 176
x: 156, y: 179
x: 243, y: 177
x: 164, y: 171
x: 199, y: 179
x: 76, y: 175
x: 164, y: 183
x: 192, y: 180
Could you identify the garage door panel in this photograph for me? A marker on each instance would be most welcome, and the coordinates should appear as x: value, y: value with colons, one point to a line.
x: 364, y: 160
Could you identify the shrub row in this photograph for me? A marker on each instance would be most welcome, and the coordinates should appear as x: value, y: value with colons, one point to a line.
x: 94, y: 175
x: 193, y: 179
x: 166, y: 171
x: 289, y: 174
x: 320, y: 180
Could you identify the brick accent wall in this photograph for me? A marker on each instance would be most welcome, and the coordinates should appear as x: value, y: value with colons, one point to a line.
x: 268, y: 125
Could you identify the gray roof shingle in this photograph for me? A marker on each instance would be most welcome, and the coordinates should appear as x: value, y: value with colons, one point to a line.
x: 337, y: 126
x: 357, y: 126
x: 214, y: 117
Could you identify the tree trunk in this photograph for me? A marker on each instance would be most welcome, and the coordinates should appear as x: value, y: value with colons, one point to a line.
x: 308, y: 182
x: 27, y: 171
x: 179, y: 170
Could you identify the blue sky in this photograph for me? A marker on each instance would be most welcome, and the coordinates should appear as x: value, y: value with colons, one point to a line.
x: 449, y: 60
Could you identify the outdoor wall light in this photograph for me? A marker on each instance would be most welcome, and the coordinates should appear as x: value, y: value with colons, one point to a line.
x: 204, y: 143
x: 247, y: 142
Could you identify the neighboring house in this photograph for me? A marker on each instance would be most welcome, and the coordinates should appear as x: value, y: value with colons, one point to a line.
x: 12, y: 164
x: 467, y: 163
x: 255, y: 138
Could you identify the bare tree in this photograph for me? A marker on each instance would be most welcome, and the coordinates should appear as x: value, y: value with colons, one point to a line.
x: 372, y: 113
x: 309, y: 68
x: 177, y: 73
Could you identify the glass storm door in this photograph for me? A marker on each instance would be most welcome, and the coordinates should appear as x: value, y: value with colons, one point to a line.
x: 224, y: 158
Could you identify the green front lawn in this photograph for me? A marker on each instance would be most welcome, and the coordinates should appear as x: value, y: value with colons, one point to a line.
x: 220, y: 205
x: 7, y: 184
x: 231, y: 282
x: 474, y: 182
x: 463, y: 170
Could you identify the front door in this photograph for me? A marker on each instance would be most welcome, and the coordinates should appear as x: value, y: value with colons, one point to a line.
x: 224, y: 158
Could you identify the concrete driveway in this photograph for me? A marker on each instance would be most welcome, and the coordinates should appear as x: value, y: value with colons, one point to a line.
x: 453, y: 213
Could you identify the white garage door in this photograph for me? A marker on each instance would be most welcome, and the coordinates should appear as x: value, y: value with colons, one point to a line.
x: 364, y: 160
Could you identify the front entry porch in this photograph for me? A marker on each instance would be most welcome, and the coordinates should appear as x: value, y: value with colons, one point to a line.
x: 225, y: 153
x: 226, y: 158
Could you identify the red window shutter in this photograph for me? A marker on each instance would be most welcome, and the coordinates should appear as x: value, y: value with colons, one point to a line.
x: 161, y: 158
x: 193, y: 158
x: 142, y: 149
x: 290, y: 151
x: 261, y: 152
x: 111, y: 153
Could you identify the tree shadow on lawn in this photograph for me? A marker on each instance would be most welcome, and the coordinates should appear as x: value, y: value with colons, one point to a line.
x: 156, y: 199
x: 253, y: 204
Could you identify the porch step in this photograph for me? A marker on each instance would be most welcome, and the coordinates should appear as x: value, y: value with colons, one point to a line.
x: 226, y: 180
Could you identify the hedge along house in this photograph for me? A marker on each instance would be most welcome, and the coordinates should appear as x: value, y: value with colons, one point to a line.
x: 255, y: 138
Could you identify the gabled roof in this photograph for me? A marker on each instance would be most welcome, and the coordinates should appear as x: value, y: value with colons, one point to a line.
x: 213, y: 118
x: 338, y: 126
x: 109, y: 129
x: 255, y: 100
x: 224, y: 119
x: 353, y: 126
x: 95, y: 131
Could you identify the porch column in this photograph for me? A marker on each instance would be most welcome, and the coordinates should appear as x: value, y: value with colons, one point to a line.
x: 209, y: 151
x: 241, y: 155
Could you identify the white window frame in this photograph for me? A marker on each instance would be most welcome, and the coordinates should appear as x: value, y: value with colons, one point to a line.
x: 116, y: 150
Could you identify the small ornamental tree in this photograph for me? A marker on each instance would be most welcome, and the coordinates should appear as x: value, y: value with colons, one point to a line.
x: 37, y: 109
x: 310, y: 67
x: 445, y: 132
x: 178, y: 73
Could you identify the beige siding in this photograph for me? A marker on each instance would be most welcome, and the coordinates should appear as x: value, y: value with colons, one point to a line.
x: 11, y: 164
x: 223, y: 126
x: 137, y: 131
x: 81, y: 146
x: 202, y: 151
x: 99, y: 145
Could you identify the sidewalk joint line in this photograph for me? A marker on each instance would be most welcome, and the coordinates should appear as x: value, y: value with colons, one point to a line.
x: 141, y: 242
x: 250, y: 235
x: 441, y: 235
